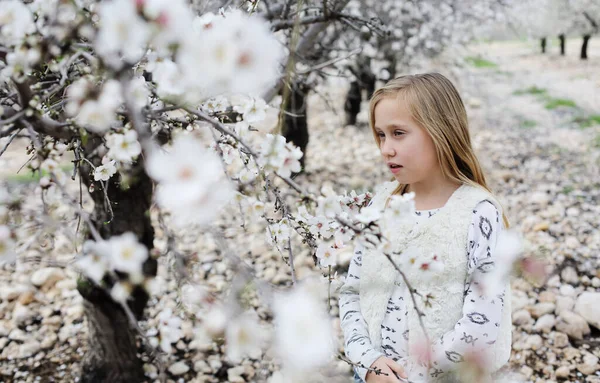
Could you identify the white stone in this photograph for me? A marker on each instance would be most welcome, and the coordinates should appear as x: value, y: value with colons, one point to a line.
x: 234, y: 375
x: 589, y: 365
x: 28, y: 349
x: 9, y: 293
x: 47, y: 277
x: 563, y: 372
x: 572, y: 243
x: 572, y: 324
x: 541, y: 309
x: 539, y: 198
x: 567, y: 290
x: 564, y: 304
x: 588, y: 306
x: 21, y: 314
x: 545, y: 323
x: 569, y: 274
x: 534, y: 342
x: 202, y: 366
x: 561, y: 340
x: 521, y: 317
x: 178, y: 368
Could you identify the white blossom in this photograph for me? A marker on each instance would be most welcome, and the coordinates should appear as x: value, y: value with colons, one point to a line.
x: 216, y: 104
x: 215, y: 320
x: 127, y: 254
x: 123, y: 34
x: 327, y: 255
x: 98, y: 115
x: 120, y: 292
x: 237, y: 54
x: 169, y: 327
x: 105, y: 171
x: 138, y: 91
x: 320, y: 225
x: 253, y: 109
x: 124, y: 147
x: 303, y: 332
x: 244, y: 336
x: 192, y: 183
x: 16, y: 22
x: 279, y: 232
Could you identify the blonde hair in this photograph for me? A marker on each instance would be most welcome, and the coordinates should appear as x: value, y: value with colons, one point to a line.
x: 437, y: 107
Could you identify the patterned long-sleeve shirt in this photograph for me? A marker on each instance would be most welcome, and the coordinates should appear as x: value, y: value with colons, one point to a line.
x: 481, y: 314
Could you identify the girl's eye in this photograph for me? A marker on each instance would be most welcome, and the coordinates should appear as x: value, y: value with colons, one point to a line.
x: 398, y: 133
x: 381, y: 135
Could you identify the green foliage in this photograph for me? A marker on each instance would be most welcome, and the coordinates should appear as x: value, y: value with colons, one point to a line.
x: 533, y: 90
x: 567, y: 189
x: 31, y: 176
x: 479, y: 62
x: 586, y: 122
x: 527, y: 124
x: 553, y: 103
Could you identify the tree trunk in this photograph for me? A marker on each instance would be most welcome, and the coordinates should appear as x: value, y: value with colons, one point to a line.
x: 112, y: 350
x: 352, y: 104
x: 584, y: 47
x: 562, y: 39
x: 294, y: 123
x: 543, y: 44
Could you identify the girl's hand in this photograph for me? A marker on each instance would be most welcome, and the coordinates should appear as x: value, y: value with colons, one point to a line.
x: 387, y: 366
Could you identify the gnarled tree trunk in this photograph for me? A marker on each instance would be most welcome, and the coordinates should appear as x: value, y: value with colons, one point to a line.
x: 295, y: 124
x: 584, y: 47
x: 543, y: 44
x: 562, y: 39
x: 112, y: 348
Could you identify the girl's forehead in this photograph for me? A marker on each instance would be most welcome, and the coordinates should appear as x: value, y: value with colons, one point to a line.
x: 390, y: 111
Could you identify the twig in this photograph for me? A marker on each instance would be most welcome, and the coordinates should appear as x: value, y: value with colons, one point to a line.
x: 10, y: 139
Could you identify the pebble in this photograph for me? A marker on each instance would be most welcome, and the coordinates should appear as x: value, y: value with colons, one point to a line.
x: 545, y: 323
x: 234, y: 374
x: 569, y: 274
x: 561, y: 340
x: 542, y: 308
x: 21, y: 314
x: 28, y: 349
x: 547, y: 296
x: 179, y: 368
x: 521, y: 317
x: 567, y: 291
x: 572, y: 324
x: 588, y: 306
x: 534, y: 342
x: 564, y: 304
x: 563, y: 372
x: 45, y: 278
x: 589, y: 365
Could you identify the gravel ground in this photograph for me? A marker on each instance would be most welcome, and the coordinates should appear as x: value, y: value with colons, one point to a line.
x: 543, y: 166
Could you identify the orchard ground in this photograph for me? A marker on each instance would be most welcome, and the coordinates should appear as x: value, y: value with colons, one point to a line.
x: 535, y: 123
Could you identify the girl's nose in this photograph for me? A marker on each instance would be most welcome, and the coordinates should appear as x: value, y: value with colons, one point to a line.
x: 387, y: 150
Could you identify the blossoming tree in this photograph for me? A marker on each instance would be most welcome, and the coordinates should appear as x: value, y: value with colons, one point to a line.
x: 156, y: 106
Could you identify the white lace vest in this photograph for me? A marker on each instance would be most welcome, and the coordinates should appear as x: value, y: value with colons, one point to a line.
x: 444, y: 234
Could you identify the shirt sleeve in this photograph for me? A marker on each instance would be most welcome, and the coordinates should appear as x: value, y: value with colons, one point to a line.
x: 357, y: 344
x: 478, y: 328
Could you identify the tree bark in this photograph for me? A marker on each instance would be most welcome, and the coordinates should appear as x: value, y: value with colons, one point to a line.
x: 584, y: 47
x: 295, y: 124
x: 112, y: 350
x: 562, y: 39
x: 543, y: 44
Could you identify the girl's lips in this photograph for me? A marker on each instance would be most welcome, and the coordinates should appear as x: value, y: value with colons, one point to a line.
x: 395, y: 169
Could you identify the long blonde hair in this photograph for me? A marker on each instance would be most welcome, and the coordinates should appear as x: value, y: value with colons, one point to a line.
x: 437, y: 107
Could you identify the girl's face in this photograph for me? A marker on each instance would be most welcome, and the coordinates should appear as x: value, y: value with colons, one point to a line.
x: 404, y: 143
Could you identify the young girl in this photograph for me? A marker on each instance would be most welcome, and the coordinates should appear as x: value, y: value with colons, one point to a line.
x: 420, y: 125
